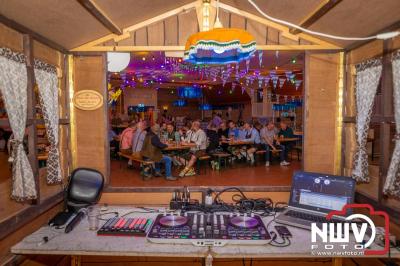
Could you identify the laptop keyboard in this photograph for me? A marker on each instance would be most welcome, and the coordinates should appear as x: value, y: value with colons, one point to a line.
x: 310, y: 217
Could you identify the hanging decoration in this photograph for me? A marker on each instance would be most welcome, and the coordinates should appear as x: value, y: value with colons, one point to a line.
x: 297, y: 84
x: 13, y: 84
x: 260, y: 55
x: 117, y: 62
x: 281, y: 82
x: 367, y: 80
x: 288, y: 75
x: 392, y: 184
x: 220, y: 45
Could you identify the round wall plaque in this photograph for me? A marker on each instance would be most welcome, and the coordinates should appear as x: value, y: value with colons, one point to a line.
x: 88, y: 100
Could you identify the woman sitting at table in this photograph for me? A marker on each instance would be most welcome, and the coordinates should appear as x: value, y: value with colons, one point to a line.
x: 152, y: 147
x: 197, y: 136
x: 253, y: 138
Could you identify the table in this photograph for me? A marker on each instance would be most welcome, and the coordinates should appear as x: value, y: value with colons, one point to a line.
x: 178, y: 147
x: 282, y: 140
x: 82, y: 242
x: 235, y: 142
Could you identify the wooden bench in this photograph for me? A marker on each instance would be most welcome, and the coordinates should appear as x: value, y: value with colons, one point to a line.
x: 222, y: 156
x: 205, y: 158
x: 298, y: 149
x: 263, y: 152
x: 135, y: 159
x: 140, y: 161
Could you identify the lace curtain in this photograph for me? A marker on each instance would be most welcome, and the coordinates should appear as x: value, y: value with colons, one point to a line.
x: 13, y: 86
x: 367, y: 80
x: 47, y: 81
x: 392, y: 185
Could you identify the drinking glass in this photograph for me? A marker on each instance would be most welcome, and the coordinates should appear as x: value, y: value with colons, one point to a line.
x: 93, y: 217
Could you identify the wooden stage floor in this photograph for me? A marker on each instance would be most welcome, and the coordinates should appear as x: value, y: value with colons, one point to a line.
x: 238, y: 175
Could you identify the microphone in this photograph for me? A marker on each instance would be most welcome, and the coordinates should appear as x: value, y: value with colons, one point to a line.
x: 75, y: 221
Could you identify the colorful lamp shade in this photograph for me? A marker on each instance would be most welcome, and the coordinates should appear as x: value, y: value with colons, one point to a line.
x: 219, y: 46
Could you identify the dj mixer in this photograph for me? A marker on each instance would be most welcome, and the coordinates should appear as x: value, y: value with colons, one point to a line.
x: 209, y: 229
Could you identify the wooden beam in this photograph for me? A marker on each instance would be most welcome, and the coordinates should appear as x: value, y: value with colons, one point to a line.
x: 277, y: 26
x: 95, y: 45
x: 31, y: 104
x: 100, y: 16
x: 126, y: 31
x: 392, y: 27
x: 318, y: 13
x: 132, y: 48
x: 24, y: 30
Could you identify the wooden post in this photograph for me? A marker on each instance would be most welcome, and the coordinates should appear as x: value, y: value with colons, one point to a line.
x: 76, y: 260
x: 31, y: 112
x: 337, y: 261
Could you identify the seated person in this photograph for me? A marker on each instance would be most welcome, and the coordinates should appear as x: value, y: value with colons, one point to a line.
x: 286, y: 132
x: 126, y: 137
x: 223, y: 131
x: 233, y: 131
x: 198, y: 136
x: 213, y: 138
x: 170, y: 134
x: 152, y: 147
x: 163, y: 129
x: 253, y: 138
x: 113, y: 139
x: 269, y: 142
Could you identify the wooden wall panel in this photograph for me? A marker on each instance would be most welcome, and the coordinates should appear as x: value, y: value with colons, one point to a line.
x: 156, y: 34
x: 370, y: 50
x: 396, y: 42
x: 128, y: 41
x: 171, y: 31
x: 258, y: 30
x: 91, y: 126
x: 10, y: 38
x: 287, y: 41
x: 321, y: 92
x: 237, y: 21
x: 187, y: 25
x: 141, y: 37
x: 47, y: 54
x: 273, y: 36
x: 224, y: 18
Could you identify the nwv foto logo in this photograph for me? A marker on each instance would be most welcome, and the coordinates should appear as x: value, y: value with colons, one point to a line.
x: 336, y: 236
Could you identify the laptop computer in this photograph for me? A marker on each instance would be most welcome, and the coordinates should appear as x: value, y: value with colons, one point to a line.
x: 313, y: 196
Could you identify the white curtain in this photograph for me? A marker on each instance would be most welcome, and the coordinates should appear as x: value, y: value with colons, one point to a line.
x: 47, y: 81
x: 367, y: 80
x: 13, y: 86
x: 392, y: 185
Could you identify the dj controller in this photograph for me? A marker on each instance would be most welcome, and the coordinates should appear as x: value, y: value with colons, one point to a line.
x: 209, y: 229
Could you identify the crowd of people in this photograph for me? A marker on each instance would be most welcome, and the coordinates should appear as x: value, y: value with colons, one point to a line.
x: 140, y: 139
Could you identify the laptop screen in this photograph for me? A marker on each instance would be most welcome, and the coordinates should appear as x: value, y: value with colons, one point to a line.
x: 321, y: 192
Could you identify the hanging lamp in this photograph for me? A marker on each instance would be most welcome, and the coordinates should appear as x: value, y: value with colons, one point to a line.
x: 219, y: 45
